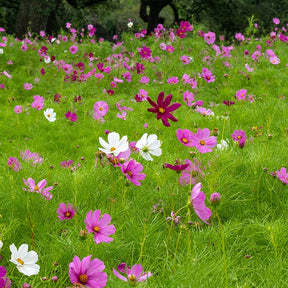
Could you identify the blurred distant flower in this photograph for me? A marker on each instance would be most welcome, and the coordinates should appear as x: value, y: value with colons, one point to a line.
x: 276, y: 21
x: 134, y: 274
x: 239, y: 37
x: 38, y: 102
x: 215, y: 197
x: 25, y: 261
x: 28, y: 86
x: 209, y: 37
x: 73, y: 49
x: 4, y: 281
x: 282, y: 175
x: 31, y: 156
x: 87, y: 273
x: 14, y: 164
x: 223, y: 145
x: 130, y: 24
x: 176, y: 219
x: 18, y: 109
x: 66, y: 164
x: 101, y: 108
x: 99, y: 227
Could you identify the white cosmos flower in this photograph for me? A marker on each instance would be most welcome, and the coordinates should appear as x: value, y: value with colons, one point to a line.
x: 1, y: 244
x: 47, y: 59
x: 1, y: 51
x: 130, y: 24
x: 114, y: 145
x: 149, y: 146
x: 25, y: 261
x: 50, y: 114
x: 223, y: 145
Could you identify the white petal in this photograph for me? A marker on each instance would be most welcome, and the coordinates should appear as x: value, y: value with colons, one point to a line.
x: 29, y: 270
x: 151, y: 138
x: 156, y: 152
x: 104, y: 143
x: 146, y: 156
x: 113, y: 138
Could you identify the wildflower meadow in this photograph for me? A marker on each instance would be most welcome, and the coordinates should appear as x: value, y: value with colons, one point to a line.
x: 153, y: 160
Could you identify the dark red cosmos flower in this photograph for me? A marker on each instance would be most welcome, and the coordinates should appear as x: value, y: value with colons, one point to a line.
x: 228, y: 103
x: 178, y: 167
x: 162, y: 108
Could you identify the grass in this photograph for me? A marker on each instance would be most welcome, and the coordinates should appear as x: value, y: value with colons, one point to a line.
x: 245, y: 243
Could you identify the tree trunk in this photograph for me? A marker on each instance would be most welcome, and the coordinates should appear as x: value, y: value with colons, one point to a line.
x: 29, y: 18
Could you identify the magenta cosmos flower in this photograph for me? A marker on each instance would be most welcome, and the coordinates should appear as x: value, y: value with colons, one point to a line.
x: 184, y: 136
x: 131, y: 170
x: 99, y: 227
x: 203, y: 141
x: 133, y: 275
x: 87, y: 273
x: 198, y: 202
x: 71, y: 116
x: 162, y: 108
x: 240, y: 137
x: 39, y: 188
x: 65, y: 211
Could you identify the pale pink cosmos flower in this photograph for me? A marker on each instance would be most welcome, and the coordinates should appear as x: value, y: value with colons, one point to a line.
x: 99, y: 227
x: 239, y: 37
x: 249, y: 69
x: 66, y: 164
x: 203, y: 141
x: 204, y: 111
x: 134, y: 274
x: 274, y: 60
x: 101, y: 108
x: 276, y: 21
x: 39, y: 188
x: 141, y: 96
x: 18, y: 109
x: 209, y: 37
x: 193, y: 173
x: 132, y: 170
x: 144, y: 80
x: 28, y: 86
x: 29, y: 156
x: 7, y: 74
x: 122, y: 116
x: 198, y: 203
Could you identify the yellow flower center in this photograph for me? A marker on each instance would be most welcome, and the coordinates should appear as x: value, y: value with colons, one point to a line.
x: 96, y: 229
x: 83, y: 278
x: 184, y: 140
x: 202, y: 142
x: 132, y: 277
x: 238, y: 137
x: 100, y: 108
x: 129, y: 173
x: 36, y: 188
x: 112, y: 149
x: 161, y: 110
x: 20, y: 261
x: 67, y: 214
x: 48, y: 115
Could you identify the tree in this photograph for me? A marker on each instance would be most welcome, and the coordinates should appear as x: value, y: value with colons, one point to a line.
x: 155, y: 8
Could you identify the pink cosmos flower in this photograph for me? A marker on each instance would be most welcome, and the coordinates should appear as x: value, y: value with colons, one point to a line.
x: 133, y: 148
x: 123, y: 108
x: 276, y: 21
x: 131, y: 170
x: 141, y: 95
x: 127, y: 76
x: 198, y: 203
x: 282, y: 175
x: 39, y: 188
x: 4, y: 281
x: 188, y: 98
x: 203, y: 141
x: 38, y: 102
x: 18, y: 109
x: 274, y: 60
x: 241, y: 94
x: 238, y: 135
x: 65, y: 211
x: 209, y: 37
x: 99, y: 227
x: 162, y: 108
x: 101, y: 108
x: 185, y: 59
x: 14, y: 164
x: 169, y: 48
x: 71, y: 116
x: 134, y: 274
x: 207, y: 75
x: 239, y: 37
x: 184, y: 136
x: 204, y: 111
x: 73, y: 49
x: 24, y: 47
x: 177, y: 167
x: 87, y: 273
x: 122, y: 116
x: 249, y: 69
x: 173, y: 80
